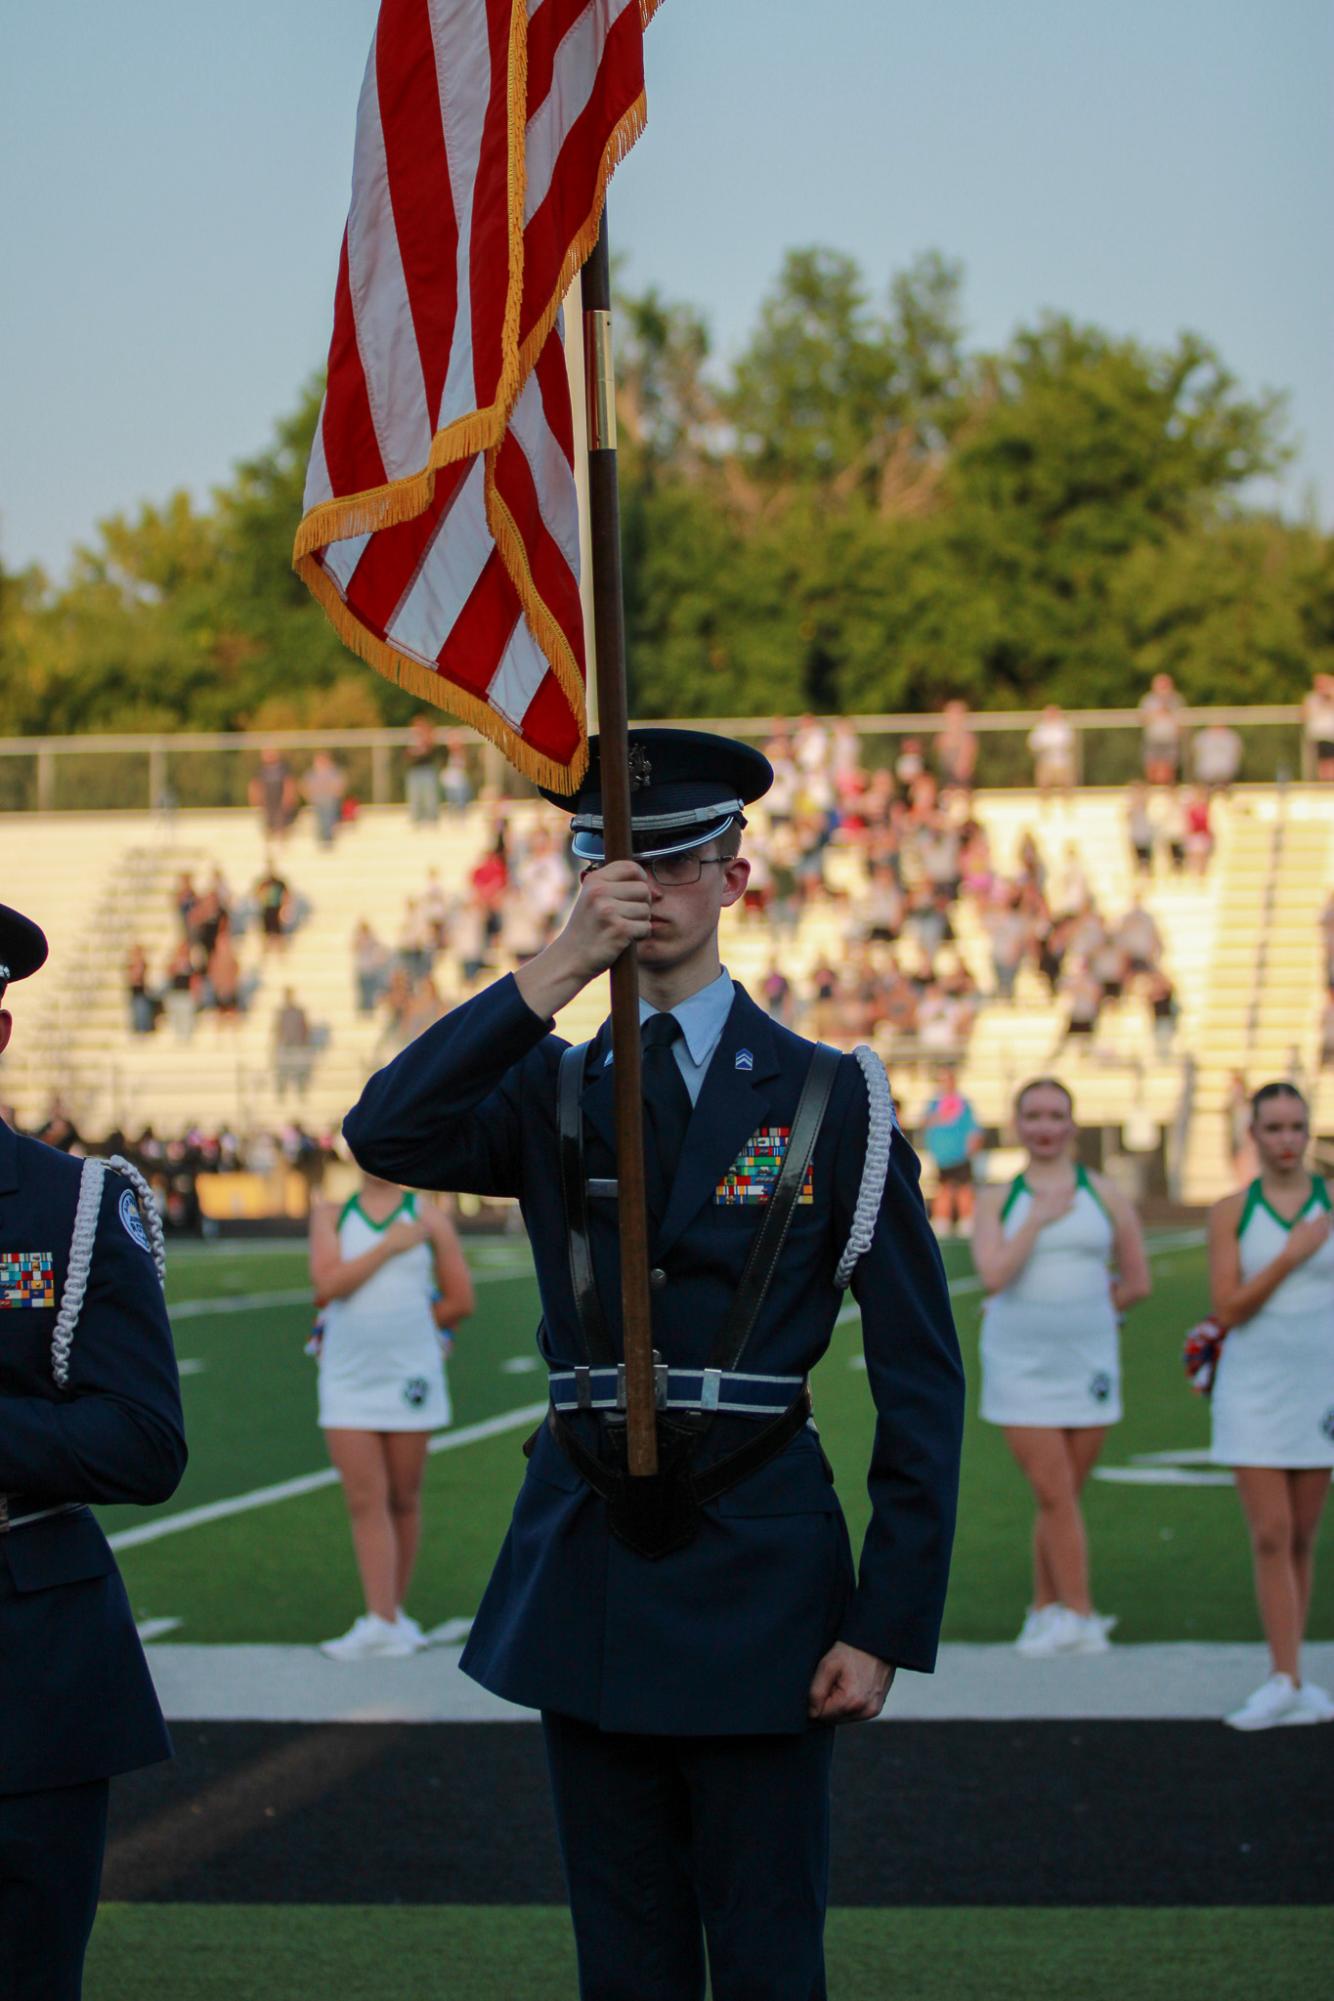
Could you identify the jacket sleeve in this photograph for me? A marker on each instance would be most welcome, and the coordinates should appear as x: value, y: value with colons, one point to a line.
x: 117, y: 1433
x: 916, y: 1381
x: 448, y: 1111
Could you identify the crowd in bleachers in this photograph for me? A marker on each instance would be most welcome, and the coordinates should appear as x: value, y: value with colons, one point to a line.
x: 934, y: 927
x: 923, y: 857
x: 506, y: 908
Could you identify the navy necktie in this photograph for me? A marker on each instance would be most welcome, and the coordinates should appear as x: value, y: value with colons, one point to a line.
x: 667, y: 1107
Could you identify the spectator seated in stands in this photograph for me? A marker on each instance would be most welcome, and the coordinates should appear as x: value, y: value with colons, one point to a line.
x: 277, y: 912
x: 1141, y: 829
x: 1084, y: 996
x: 1140, y: 939
x: 144, y: 1005
x: 1161, y: 997
x: 370, y: 966
x: 544, y: 880
x: 415, y: 945
x: 910, y: 764
x: 845, y: 766
x: 1198, y: 833
x: 223, y: 991
x: 1010, y: 933
x: 182, y: 990
x: 776, y: 993
x: 294, y: 1045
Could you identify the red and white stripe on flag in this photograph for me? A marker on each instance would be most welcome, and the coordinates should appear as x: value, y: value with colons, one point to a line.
x: 441, y: 529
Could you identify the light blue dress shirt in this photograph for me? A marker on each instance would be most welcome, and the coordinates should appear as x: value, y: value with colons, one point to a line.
x: 703, y: 1018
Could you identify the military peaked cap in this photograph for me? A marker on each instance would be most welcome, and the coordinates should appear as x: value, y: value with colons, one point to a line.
x: 22, y: 946
x: 686, y: 787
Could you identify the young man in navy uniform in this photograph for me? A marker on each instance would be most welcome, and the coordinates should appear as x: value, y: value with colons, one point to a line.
x: 76, y: 1702
x: 688, y: 1671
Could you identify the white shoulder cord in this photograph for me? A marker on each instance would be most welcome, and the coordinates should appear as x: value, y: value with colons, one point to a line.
x: 881, y: 1121
x: 81, y: 1250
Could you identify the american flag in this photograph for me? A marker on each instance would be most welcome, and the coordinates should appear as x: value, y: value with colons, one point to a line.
x: 441, y: 527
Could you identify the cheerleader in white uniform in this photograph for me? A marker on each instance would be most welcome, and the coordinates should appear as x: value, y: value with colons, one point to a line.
x: 1271, y: 1270
x: 1045, y: 1249
x: 391, y: 1277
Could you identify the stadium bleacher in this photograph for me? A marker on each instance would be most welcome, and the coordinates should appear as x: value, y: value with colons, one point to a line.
x: 1242, y: 948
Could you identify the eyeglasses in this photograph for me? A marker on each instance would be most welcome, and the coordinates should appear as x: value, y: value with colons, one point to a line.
x: 671, y: 871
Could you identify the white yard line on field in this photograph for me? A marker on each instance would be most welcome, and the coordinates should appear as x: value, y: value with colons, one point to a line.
x: 310, y: 1483
x: 248, y: 1302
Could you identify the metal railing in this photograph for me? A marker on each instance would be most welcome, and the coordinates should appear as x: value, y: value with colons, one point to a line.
x: 196, y: 769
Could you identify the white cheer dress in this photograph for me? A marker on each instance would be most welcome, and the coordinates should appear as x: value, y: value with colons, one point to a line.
x: 381, y: 1366
x: 1050, y: 1351
x: 1273, y: 1395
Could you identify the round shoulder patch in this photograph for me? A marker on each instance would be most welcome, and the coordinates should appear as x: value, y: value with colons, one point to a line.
x: 128, y: 1210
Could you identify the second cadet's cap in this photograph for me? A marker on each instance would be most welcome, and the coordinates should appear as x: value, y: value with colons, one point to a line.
x: 686, y: 787
x: 22, y: 945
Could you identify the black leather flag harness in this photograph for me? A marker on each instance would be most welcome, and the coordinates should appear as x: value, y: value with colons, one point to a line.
x: 658, y: 1512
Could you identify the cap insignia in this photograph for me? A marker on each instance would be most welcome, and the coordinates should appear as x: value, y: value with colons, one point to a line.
x: 641, y: 770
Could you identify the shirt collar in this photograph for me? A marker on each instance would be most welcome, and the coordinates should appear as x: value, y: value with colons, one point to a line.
x: 703, y: 1016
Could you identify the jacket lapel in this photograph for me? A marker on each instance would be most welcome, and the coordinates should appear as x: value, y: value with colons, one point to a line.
x: 600, y: 1088
x: 731, y: 1105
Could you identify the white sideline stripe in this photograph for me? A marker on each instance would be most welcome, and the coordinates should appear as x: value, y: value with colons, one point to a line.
x: 1183, y: 1680
x: 310, y: 1483
x: 448, y: 1633
x: 248, y: 1302
x: 156, y: 1629
x: 1160, y: 1476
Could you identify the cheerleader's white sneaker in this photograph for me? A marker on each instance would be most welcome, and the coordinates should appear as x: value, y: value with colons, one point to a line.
x: 370, y: 1638
x: 1317, y: 1701
x: 1275, y: 1702
x: 1032, y: 1638
x: 1080, y: 1633
x: 409, y: 1628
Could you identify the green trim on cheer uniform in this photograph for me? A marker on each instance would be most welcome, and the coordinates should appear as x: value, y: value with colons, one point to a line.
x: 1018, y: 1187
x: 406, y: 1207
x: 1083, y: 1179
x: 1257, y: 1199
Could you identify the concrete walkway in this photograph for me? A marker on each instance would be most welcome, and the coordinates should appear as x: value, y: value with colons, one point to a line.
x: 971, y: 1683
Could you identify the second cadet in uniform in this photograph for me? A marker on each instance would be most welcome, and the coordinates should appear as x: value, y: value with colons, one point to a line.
x: 89, y: 1411
x: 688, y: 1666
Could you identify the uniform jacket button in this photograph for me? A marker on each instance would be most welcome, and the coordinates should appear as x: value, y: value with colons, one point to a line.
x: 657, y: 1278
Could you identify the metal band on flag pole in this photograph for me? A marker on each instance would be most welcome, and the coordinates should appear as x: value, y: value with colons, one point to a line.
x: 609, y: 636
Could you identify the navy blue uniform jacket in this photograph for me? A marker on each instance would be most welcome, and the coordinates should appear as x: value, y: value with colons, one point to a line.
x: 76, y: 1701
x: 724, y: 1635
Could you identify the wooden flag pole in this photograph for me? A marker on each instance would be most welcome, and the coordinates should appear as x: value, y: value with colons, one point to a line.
x: 613, y: 724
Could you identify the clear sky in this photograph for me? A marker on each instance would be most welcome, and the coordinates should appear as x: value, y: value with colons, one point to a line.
x: 174, y: 178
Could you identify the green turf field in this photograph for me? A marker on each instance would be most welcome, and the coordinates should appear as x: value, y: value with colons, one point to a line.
x: 1170, y: 1559
x: 195, y: 1952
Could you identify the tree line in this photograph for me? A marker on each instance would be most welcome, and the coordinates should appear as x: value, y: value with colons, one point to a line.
x: 860, y: 513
